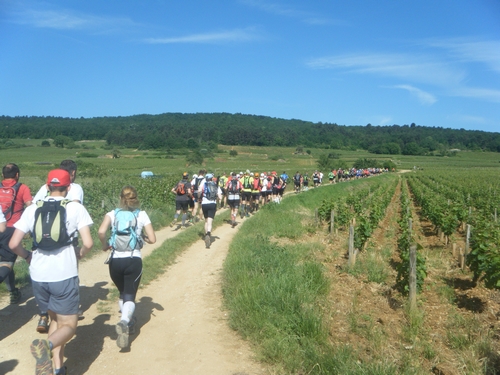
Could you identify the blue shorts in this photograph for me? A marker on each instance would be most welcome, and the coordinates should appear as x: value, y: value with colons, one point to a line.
x: 61, y: 297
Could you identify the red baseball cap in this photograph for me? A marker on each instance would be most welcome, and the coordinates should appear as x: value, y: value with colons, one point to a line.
x: 58, y: 177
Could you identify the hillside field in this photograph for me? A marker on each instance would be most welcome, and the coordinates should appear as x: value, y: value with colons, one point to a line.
x: 346, y: 319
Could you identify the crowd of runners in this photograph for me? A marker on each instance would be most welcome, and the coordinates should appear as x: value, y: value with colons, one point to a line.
x: 244, y: 192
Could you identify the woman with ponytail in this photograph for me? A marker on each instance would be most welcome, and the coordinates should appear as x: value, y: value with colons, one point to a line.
x: 125, y: 266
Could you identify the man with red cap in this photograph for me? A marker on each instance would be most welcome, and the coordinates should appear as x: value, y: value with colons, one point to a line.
x: 53, y: 266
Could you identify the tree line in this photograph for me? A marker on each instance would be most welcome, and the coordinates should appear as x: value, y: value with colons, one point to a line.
x: 204, y: 130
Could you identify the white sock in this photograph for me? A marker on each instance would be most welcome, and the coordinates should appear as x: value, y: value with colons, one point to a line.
x: 128, y: 311
x: 120, y: 304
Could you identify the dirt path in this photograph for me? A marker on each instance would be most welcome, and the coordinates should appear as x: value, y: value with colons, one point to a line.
x: 182, y: 328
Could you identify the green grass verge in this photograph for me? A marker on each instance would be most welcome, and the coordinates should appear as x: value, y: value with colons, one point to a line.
x: 273, y: 287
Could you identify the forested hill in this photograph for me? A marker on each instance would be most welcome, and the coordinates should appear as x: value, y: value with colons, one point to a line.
x: 178, y: 130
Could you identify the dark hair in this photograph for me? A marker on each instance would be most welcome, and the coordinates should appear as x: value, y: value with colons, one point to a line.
x: 57, y: 188
x: 10, y: 170
x: 68, y: 165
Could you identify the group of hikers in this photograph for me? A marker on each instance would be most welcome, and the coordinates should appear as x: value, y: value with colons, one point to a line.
x: 242, y: 192
x: 59, y: 225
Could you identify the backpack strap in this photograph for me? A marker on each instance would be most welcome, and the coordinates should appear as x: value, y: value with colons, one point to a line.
x: 10, y: 211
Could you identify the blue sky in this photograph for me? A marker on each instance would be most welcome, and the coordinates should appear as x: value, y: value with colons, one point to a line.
x: 434, y: 63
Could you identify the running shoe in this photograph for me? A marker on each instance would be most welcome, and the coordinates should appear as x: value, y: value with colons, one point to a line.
x: 122, y: 331
x: 207, y: 241
x: 41, y: 351
x: 15, y: 296
x: 131, y: 326
x: 43, y: 324
x: 62, y: 371
x: 173, y: 223
x: 233, y: 224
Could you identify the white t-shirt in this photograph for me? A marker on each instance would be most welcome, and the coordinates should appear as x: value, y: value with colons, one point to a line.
x: 204, y: 200
x: 56, y: 265
x: 2, y: 217
x: 142, y: 221
x: 75, y: 193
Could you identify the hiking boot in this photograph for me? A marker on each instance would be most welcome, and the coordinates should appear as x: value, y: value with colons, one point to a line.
x: 15, y: 296
x: 207, y: 241
x: 122, y: 331
x: 41, y: 351
x: 43, y: 324
x: 233, y: 224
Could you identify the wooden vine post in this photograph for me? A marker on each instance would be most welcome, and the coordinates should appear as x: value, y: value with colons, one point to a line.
x: 413, y: 277
x: 352, y: 251
x: 332, y: 222
x: 467, y: 240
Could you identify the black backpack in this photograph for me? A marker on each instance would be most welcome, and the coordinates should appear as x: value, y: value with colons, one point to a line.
x: 49, y: 231
x: 233, y: 187
x: 197, y: 183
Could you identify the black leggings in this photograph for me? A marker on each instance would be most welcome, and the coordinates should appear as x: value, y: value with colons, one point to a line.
x: 126, y: 274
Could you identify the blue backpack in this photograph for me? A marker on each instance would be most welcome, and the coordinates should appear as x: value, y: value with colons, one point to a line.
x: 210, y: 190
x: 124, y: 231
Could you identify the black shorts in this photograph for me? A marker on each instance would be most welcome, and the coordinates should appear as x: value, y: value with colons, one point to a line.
x: 233, y: 203
x: 6, y: 255
x: 182, y: 205
x: 209, y: 210
x: 246, y: 196
x: 256, y: 195
x: 297, y: 183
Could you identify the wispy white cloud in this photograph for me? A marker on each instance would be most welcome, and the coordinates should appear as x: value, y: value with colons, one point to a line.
x: 449, y: 76
x: 468, y: 50
x: 237, y: 35
x: 412, y: 68
x: 422, y: 96
x: 275, y: 8
x: 478, y: 93
x: 385, y: 120
x: 67, y: 20
x: 291, y: 12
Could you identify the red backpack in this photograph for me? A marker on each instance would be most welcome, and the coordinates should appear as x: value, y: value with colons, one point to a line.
x: 181, y: 188
x: 8, y: 195
x: 256, y: 183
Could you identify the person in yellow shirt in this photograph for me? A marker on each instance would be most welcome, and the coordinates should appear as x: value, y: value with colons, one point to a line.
x: 246, y: 194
